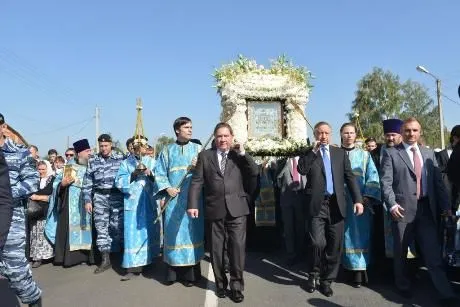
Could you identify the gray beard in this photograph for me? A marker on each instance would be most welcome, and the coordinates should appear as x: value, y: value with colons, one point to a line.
x: 82, y: 161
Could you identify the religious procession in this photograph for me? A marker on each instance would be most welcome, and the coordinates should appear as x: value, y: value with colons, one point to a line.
x: 363, y: 208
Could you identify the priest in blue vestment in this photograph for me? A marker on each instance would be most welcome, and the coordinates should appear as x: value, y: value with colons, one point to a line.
x: 68, y: 225
x: 358, y: 228
x: 183, y: 241
x: 141, y: 235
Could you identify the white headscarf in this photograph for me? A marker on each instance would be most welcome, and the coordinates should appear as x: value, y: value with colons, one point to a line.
x: 49, y: 172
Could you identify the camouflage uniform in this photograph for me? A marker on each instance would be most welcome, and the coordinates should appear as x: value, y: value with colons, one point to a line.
x: 99, y: 189
x: 24, y: 181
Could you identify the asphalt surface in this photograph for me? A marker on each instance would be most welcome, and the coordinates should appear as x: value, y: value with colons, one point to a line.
x: 268, y: 282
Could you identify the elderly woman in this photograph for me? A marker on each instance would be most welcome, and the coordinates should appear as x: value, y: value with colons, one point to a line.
x: 40, y: 248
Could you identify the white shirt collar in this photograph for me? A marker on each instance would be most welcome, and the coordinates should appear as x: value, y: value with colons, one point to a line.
x: 408, y: 147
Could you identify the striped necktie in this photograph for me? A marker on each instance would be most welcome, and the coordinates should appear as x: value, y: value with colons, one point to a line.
x: 223, y: 162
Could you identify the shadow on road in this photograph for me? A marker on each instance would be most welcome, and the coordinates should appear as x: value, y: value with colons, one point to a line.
x: 319, y: 302
x: 7, y: 297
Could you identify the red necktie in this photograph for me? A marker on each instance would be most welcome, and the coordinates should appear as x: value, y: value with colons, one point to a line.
x: 418, y: 171
x: 295, y: 172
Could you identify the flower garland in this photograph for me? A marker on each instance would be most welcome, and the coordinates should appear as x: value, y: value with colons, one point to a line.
x: 243, y: 80
x: 275, y: 147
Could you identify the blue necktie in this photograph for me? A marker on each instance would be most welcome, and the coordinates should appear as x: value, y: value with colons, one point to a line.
x: 328, y: 170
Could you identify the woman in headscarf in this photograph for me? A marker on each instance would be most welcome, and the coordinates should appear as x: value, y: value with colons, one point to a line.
x: 40, y: 248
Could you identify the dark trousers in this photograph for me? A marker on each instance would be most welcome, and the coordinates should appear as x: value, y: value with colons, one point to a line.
x: 423, y: 229
x: 293, y: 223
x: 235, y: 231
x: 326, y: 233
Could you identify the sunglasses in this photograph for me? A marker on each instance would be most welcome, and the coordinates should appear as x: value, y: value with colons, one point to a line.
x: 69, y: 155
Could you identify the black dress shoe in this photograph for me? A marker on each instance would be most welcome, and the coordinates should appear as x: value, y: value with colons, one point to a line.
x: 326, y: 289
x: 237, y: 296
x: 36, y: 264
x: 37, y: 303
x: 227, y: 269
x: 221, y: 293
x: 356, y: 285
x: 407, y: 294
x: 449, y: 302
x: 310, y: 286
x: 188, y: 283
x: 169, y: 283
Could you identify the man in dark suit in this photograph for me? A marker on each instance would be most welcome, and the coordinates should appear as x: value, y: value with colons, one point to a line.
x: 6, y: 201
x: 453, y: 166
x: 291, y: 185
x: 327, y: 169
x: 414, y: 192
x: 222, y: 172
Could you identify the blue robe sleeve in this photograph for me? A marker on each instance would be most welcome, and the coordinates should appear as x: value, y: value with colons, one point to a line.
x: 123, y: 178
x: 161, y: 172
x: 371, y: 179
x: 28, y: 177
x: 52, y: 215
x: 87, y: 187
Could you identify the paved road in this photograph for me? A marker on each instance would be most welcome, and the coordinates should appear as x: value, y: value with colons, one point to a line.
x: 268, y: 283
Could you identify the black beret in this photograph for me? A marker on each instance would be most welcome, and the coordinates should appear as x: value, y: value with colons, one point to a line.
x: 104, y: 138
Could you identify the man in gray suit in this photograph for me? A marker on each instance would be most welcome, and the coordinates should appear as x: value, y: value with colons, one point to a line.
x: 291, y: 185
x: 414, y: 193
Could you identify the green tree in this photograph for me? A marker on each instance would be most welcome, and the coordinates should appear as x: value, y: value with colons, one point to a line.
x: 381, y: 95
x: 161, y: 142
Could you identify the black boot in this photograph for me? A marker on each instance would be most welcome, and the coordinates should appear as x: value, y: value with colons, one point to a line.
x: 105, y: 264
x: 37, y: 303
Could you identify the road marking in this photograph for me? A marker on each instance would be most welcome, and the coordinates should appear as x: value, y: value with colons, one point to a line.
x: 211, y: 297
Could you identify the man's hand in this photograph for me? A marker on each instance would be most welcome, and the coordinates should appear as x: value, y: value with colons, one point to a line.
x: 358, y: 209
x: 172, y: 192
x: 33, y: 197
x: 89, y: 208
x: 446, y: 213
x: 238, y: 148
x: 193, y: 213
x: 194, y: 161
x: 397, y: 212
x: 67, y: 181
x: 316, y: 146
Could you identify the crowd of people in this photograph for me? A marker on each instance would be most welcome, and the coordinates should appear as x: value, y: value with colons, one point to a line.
x: 355, y: 207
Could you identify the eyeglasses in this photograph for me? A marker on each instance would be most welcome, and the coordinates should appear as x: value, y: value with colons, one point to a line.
x: 69, y: 155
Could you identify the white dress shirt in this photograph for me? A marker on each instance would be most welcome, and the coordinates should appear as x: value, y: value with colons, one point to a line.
x: 411, y: 157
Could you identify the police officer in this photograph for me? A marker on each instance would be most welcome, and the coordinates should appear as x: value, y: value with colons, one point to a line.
x: 6, y: 202
x: 104, y: 200
x: 24, y: 180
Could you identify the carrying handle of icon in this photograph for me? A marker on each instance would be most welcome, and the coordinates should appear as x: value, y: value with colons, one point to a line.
x: 181, y: 182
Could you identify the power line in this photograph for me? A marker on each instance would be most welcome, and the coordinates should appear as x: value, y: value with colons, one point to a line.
x: 450, y: 99
x: 63, y: 127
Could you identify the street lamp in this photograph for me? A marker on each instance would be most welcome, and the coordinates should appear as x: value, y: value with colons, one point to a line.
x: 438, y: 94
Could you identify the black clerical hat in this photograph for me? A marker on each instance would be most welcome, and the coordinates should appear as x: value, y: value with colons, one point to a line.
x: 81, y: 145
x: 2, y: 119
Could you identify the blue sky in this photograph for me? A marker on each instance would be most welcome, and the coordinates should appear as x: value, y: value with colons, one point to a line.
x: 59, y: 59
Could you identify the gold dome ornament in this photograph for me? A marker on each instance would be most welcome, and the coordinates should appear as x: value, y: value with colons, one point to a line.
x: 140, y: 140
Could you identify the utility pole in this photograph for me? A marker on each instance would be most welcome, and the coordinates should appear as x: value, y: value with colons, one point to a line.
x: 438, y: 95
x: 441, y: 117
x: 97, y: 129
